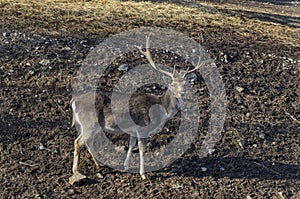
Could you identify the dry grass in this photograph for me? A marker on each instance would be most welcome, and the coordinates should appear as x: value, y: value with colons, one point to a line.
x: 257, y: 6
x: 104, y: 17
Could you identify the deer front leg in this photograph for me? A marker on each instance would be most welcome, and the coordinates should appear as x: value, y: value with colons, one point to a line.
x: 132, y: 143
x: 76, y: 177
x: 142, y: 149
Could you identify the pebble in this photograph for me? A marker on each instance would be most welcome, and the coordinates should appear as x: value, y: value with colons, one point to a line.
x: 99, y: 175
x: 31, y: 72
x: 242, y: 143
x: 281, y: 195
x: 262, y: 135
x: 71, y: 191
x: 226, y: 59
x: 123, y: 67
x: 178, y: 186
x: 239, y: 89
x: 44, y: 62
x: 211, y: 151
x: 203, y: 169
x: 67, y: 48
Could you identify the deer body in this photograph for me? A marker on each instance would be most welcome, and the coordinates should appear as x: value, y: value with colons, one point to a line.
x: 94, y: 108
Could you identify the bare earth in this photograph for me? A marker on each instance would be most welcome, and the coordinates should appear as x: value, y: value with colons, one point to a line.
x: 256, y: 47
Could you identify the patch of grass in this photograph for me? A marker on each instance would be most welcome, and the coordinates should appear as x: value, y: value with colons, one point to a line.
x: 105, y: 17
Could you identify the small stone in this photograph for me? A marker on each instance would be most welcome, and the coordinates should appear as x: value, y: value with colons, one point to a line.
x: 262, y: 135
x: 226, y: 59
x: 242, y: 143
x: 44, y: 62
x: 82, y: 42
x: 203, y: 169
x: 67, y: 48
x: 222, y: 169
x: 71, y: 191
x: 99, y: 175
x: 211, y: 151
x: 123, y: 67
x: 38, y: 196
x: 178, y: 186
x: 41, y: 147
x: 239, y: 89
x: 281, y: 195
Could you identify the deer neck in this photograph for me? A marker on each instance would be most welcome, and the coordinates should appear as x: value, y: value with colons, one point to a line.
x: 171, y: 103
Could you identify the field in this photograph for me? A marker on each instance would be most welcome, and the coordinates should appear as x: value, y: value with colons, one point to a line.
x: 256, y: 48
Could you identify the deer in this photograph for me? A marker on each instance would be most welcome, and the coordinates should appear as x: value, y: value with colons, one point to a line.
x: 87, y: 115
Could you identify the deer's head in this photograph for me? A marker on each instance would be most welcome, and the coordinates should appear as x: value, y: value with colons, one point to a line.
x: 177, y: 85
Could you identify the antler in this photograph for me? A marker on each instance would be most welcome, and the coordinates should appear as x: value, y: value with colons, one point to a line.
x: 150, y: 60
x: 199, y: 64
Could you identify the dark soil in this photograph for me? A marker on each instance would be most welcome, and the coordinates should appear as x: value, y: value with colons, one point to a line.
x: 257, y: 155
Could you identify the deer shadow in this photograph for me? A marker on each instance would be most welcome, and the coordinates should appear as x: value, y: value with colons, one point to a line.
x: 243, y: 167
x: 236, y: 168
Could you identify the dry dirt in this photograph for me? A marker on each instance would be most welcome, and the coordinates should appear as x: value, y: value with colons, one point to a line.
x: 255, y: 45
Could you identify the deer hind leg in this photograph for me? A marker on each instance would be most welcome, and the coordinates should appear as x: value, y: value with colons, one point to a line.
x: 91, y: 149
x: 142, y: 149
x: 132, y: 143
x: 76, y: 177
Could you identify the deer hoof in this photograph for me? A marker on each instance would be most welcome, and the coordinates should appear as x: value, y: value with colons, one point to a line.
x: 126, y: 168
x: 126, y: 165
x: 76, y: 177
x: 143, y: 177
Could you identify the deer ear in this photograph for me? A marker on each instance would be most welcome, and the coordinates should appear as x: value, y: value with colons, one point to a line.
x: 167, y: 80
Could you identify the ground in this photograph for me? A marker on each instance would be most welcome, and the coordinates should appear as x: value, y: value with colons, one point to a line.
x: 255, y: 45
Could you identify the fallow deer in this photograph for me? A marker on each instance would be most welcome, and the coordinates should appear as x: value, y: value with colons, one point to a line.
x: 94, y: 107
